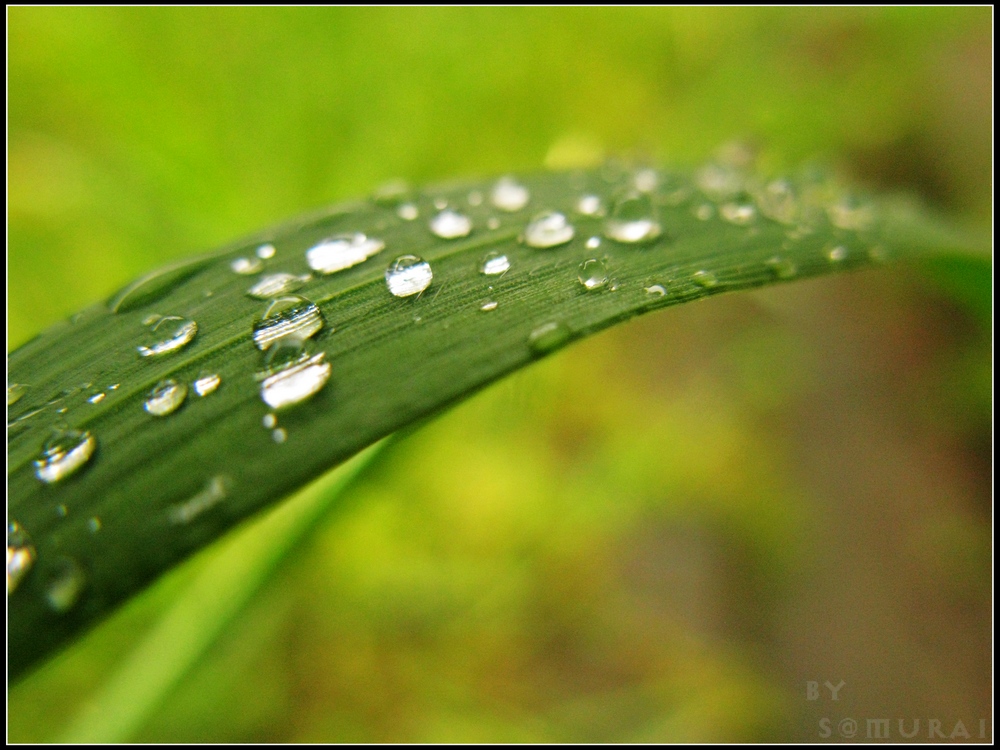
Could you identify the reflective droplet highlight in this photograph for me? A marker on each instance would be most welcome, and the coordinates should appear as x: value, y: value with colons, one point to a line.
x: 168, y: 334
x: 287, y: 316
x: 408, y: 275
x: 97, y: 398
x: 270, y: 421
x: 206, y: 383
x: 342, y: 251
x: 165, y: 398
x: 63, y: 454
x: 274, y: 284
x: 20, y: 555
x: 836, y: 254
x: 634, y: 220
x: 656, y: 290
x: 549, y: 229
x: 593, y: 274
x: 509, y: 195
x: 408, y: 212
x: 450, y: 225
x: 494, y: 264
x: 265, y: 252
x: 593, y: 243
x: 279, y: 435
x: 291, y: 374
x: 589, y: 205
x: 66, y: 581
x: 94, y: 524
x: 738, y: 213
x: 548, y: 336
x: 246, y: 266
x: 489, y: 305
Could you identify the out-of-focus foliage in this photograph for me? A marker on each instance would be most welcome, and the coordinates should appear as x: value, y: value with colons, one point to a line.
x: 662, y: 533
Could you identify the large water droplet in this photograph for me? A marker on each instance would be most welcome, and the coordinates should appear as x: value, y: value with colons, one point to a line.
x: 408, y: 275
x: 287, y: 316
x: 66, y: 581
x: 165, y: 398
x: 633, y: 220
x: 549, y: 229
x: 450, y: 225
x: 495, y: 264
x: 705, y: 279
x: 548, y: 336
x: 276, y: 283
x: 214, y: 492
x: 342, y: 251
x: 206, y: 383
x: 292, y: 374
x: 17, y: 390
x: 246, y: 266
x: 509, y: 195
x: 20, y: 555
x: 167, y: 334
x: 593, y: 274
x: 64, y: 453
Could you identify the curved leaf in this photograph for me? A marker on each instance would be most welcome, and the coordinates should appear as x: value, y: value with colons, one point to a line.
x: 159, y: 470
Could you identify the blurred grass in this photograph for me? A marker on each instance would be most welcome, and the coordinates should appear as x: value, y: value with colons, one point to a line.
x: 659, y: 534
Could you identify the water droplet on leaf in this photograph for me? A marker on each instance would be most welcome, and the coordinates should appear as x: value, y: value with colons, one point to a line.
x: 246, y: 266
x: 66, y: 581
x: 287, y: 316
x: 206, y: 383
x: 292, y: 374
x: 407, y: 212
x: 274, y: 284
x: 450, y: 225
x: 165, y: 398
x: 593, y: 274
x: 738, y: 213
x: 408, y: 275
x: 656, y: 290
x: 705, y: 279
x: 266, y: 251
x: 836, y: 254
x: 342, y: 251
x: 509, y: 195
x: 20, y: 555
x: 488, y: 305
x: 782, y: 268
x: 549, y: 229
x: 548, y: 336
x: 495, y: 264
x: 589, y: 205
x: 214, y: 492
x: 633, y: 220
x: 63, y: 454
x: 168, y: 334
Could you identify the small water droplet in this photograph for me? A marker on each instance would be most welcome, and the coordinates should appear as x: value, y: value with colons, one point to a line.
x: 206, y: 383
x: 589, y: 205
x: 475, y: 198
x: 407, y: 211
x: 15, y: 392
x: 64, y: 453
x: 646, y: 180
x: 408, y: 275
x: 342, y: 251
x: 94, y: 524
x: 246, y: 266
x: 274, y: 284
x: 509, y: 195
x: 549, y: 229
x: 719, y: 182
x: 280, y: 435
x: 488, y: 305
x: 493, y: 223
x: 836, y: 254
x: 656, y: 290
x: 593, y: 274
x: 593, y: 243
x: 704, y: 212
x: 292, y: 374
x: 548, y: 336
x: 166, y: 335
x: 66, y: 581
x: 851, y: 213
x: 440, y: 203
x: 214, y: 492
x: 165, y: 398
x: 705, y: 279
x: 20, y: 555
x: 270, y: 420
x: 781, y: 267
x: 450, y: 225
x: 738, y: 213
x: 494, y: 264
x: 97, y: 398
x: 633, y: 220
x: 777, y: 200
x: 114, y: 387
x: 266, y: 251
x: 287, y: 316
x: 62, y: 510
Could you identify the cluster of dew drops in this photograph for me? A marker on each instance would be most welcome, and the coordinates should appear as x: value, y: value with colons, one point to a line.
x: 292, y: 371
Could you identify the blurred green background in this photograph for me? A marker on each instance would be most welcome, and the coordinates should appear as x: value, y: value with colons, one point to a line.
x: 660, y: 534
